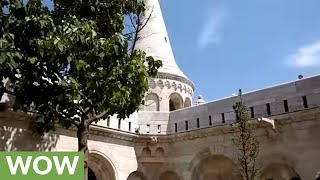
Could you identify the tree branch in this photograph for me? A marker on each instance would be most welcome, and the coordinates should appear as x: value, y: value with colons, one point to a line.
x: 135, y: 36
x: 139, y: 29
x: 75, y: 123
x: 94, y: 118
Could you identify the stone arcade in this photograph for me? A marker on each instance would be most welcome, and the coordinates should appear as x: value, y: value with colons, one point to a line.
x: 169, y: 139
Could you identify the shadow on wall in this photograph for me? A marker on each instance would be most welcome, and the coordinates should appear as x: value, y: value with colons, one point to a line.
x: 206, y: 165
x: 19, y: 139
x: 152, y: 158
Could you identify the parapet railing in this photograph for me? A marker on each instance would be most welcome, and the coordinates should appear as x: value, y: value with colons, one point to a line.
x: 203, y: 116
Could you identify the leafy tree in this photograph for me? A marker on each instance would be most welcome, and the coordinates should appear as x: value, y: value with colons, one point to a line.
x: 72, y: 65
x: 247, y: 144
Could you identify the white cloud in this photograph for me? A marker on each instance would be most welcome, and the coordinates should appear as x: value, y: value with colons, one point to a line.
x: 306, y: 56
x: 210, y: 30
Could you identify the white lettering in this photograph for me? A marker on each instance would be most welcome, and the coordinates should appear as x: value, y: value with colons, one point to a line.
x: 66, y: 162
x: 36, y: 165
x: 19, y: 162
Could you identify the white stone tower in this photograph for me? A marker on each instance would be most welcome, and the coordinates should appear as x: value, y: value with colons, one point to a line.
x: 171, y: 89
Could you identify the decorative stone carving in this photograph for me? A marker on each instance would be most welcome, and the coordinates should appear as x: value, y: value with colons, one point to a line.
x: 154, y: 139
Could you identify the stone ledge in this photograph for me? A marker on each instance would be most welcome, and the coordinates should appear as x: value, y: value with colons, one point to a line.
x: 280, y: 120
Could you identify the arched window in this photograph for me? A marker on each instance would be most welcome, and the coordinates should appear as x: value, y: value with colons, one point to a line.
x: 152, y: 102
x: 159, y: 152
x: 187, y: 102
x: 99, y: 167
x: 169, y: 175
x: 216, y: 167
x: 136, y: 175
x: 278, y: 171
x: 91, y: 175
x: 146, y: 152
x: 175, y: 102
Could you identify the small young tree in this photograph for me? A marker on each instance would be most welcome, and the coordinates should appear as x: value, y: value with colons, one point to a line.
x: 247, y: 144
x: 71, y: 65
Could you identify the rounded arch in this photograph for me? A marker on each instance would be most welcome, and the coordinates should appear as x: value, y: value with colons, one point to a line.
x: 91, y: 174
x: 101, y: 167
x: 169, y: 175
x: 278, y: 171
x: 146, y: 151
x: 216, y: 167
x: 152, y: 102
x: 159, y: 152
x: 187, y: 102
x: 175, y: 101
x: 136, y: 175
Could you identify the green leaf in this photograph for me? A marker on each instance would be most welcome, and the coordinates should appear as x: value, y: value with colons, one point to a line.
x: 94, y: 33
x: 3, y: 57
x: 101, y: 72
x: 69, y: 59
x: 60, y: 46
x: 55, y: 41
x: 32, y: 60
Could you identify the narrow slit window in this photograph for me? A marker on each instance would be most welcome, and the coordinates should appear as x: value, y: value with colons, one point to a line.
x: 187, y: 125
x: 129, y: 126
x: 268, y: 109
x: 210, y: 121
x: 108, y: 121
x: 198, y: 123
x: 159, y: 128
x: 175, y: 127
x: 165, y: 39
x: 223, y: 118
x: 305, y: 101
x: 119, y: 124
x: 252, y: 112
x: 285, y: 104
x: 148, y: 128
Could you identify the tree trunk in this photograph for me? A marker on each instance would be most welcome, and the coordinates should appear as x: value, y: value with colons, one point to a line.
x: 83, y: 134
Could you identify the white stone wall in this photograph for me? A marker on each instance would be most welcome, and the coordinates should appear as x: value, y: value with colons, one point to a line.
x: 154, y: 39
x: 293, y: 143
x: 165, y: 87
x: 274, y: 96
x: 15, y: 135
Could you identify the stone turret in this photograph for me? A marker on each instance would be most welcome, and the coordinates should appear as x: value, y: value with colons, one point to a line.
x: 171, y: 89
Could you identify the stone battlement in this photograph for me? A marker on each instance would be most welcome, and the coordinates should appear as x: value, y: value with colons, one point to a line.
x: 281, y: 99
x: 273, y: 101
x: 286, y: 98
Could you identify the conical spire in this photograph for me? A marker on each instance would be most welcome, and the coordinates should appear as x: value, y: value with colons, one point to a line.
x: 154, y: 39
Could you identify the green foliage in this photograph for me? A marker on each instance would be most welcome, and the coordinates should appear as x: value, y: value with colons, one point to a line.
x: 71, y: 65
x: 247, y: 144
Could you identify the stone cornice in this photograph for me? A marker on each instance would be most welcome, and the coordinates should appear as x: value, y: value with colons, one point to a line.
x: 162, y: 75
x: 281, y: 120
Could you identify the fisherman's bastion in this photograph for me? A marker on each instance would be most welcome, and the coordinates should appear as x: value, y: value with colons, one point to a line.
x: 173, y: 138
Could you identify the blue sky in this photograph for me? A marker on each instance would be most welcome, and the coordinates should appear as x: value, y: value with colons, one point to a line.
x: 225, y: 45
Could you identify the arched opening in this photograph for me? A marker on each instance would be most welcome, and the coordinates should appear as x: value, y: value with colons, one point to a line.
x: 175, y: 102
x: 136, y: 175
x: 159, y: 152
x: 152, y: 102
x: 146, y: 152
x: 187, y: 102
x: 169, y: 175
x: 278, y: 171
x: 100, y: 167
x: 91, y: 175
x: 216, y: 167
